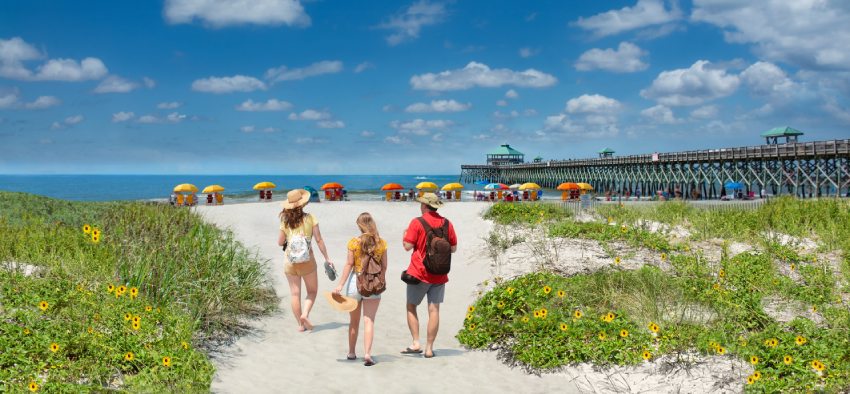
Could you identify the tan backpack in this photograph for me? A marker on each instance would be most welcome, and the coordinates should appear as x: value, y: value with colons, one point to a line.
x: 369, y: 281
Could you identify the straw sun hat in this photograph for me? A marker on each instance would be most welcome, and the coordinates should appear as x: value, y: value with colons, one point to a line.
x: 296, y: 198
x: 341, y: 302
x: 431, y: 200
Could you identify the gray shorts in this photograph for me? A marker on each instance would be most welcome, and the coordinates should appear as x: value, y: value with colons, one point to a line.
x: 415, y: 293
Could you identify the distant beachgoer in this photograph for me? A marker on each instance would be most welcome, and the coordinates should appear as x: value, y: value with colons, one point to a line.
x: 269, y: 195
x: 411, y: 194
x: 297, y: 230
x: 262, y: 195
x: 172, y: 199
x: 420, y: 280
x: 219, y: 199
x: 209, y: 199
x: 363, y: 250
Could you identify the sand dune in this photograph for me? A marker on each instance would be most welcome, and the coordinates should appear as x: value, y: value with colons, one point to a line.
x: 277, y: 358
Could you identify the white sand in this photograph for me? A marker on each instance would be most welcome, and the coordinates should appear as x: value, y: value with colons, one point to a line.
x: 276, y: 358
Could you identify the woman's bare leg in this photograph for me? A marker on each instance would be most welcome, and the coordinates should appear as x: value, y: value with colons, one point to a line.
x: 295, y: 298
x: 311, y: 282
x: 353, y: 328
x: 370, y: 309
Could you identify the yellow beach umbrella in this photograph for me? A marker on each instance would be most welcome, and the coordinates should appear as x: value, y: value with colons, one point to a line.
x: 530, y: 186
x: 212, y: 189
x: 585, y: 186
x: 452, y: 186
x: 264, y: 185
x: 427, y: 186
x: 185, y: 188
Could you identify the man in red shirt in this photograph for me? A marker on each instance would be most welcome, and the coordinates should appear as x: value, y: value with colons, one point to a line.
x: 432, y: 285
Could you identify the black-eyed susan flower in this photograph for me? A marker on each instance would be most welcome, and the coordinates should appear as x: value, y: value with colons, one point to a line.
x: 43, y: 305
x: 818, y: 366
x: 33, y: 386
x: 500, y: 305
x: 95, y: 232
x: 547, y: 289
x: 623, y: 229
x: 543, y: 312
x: 134, y: 292
x: 721, y: 350
x: 137, y: 319
x: 185, y: 345
x: 128, y: 316
x: 787, y: 359
x: 751, y: 379
x: 721, y: 273
x: 772, y: 342
x: 136, y: 326
x: 646, y: 355
x: 110, y: 288
x: 90, y: 330
x: 525, y: 319
x: 471, y: 326
x: 653, y: 327
x: 610, y: 316
x: 757, y: 375
x: 121, y: 290
x: 54, y: 347
x: 95, y: 238
x: 86, y: 229
x: 754, y: 360
x: 814, y: 308
x: 148, y: 308
x: 470, y: 309
x: 602, y: 335
x: 129, y: 356
x: 793, y: 266
x: 561, y: 293
x: 800, y: 340
x: 166, y: 361
x: 663, y: 256
x: 617, y: 260
x: 577, y: 314
x: 468, y: 316
x: 563, y: 326
x: 509, y: 290
x: 536, y: 314
x: 624, y: 333
x: 26, y: 331
x: 716, y: 286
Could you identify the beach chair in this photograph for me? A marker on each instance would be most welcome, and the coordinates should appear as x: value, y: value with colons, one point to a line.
x: 262, y: 195
x: 219, y: 199
x: 190, y: 200
x: 179, y: 200
x: 269, y: 195
x: 209, y: 199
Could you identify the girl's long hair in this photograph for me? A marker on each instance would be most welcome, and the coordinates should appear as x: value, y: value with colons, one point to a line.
x: 369, y: 237
x: 293, y: 218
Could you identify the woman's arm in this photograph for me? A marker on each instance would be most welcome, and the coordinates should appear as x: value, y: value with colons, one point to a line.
x: 281, y: 239
x: 318, y: 236
x: 349, y: 266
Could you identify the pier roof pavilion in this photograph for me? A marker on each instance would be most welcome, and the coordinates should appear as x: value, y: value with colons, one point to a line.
x: 607, y: 152
x: 772, y: 136
x: 505, y: 155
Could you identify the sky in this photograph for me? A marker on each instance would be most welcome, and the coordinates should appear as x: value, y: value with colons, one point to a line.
x: 398, y: 87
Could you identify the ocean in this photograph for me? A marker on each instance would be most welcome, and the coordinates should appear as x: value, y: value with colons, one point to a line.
x: 237, y: 187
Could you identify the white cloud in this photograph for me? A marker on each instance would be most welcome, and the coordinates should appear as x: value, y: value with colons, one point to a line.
x: 271, y: 130
x: 502, y: 103
x: 269, y: 105
x: 247, y: 129
x: 811, y: 34
x: 149, y: 83
x: 310, y: 140
x: 660, y: 114
x: 691, y: 86
x: 15, y: 52
x: 407, y: 25
x: 310, y: 114
x: 438, y: 106
x: 766, y: 79
x: 643, y: 14
x: 832, y: 107
x: 68, y: 122
x: 480, y: 75
x: 527, y: 52
x: 43, y: 102
x: 363, y: 67
x: 592, y: 103
x: 367, y: 134
x: 175, y: 117
x: 389, y: 108
x: 398, y: 140
x: 511, y: 94
x: 236, y: 83
x: 169, y: 105
x: 564, y: 125
x: 119, y: 117
x: 56, y: 126
x: 514, y: 114
x: 437, y: 137
x: 705, y: 112
x: 420, y: 126
x: 220, y: 13
x: 330, y: 124
x: 148, y: 119
x: 9, y: 98
x: 625, y: 59
x: 115, y: 84
x: 283, y: 73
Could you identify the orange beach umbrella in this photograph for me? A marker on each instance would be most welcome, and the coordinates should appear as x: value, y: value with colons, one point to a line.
x: 392, y: 186
x: 568, y: 186
x: 331, y: 185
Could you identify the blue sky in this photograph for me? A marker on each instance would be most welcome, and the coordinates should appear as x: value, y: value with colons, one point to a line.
x: 339, y: 87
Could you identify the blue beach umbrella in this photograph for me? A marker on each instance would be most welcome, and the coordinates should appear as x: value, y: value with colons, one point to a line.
x: 734, y: 185
x: 314, y: 194
x: 496, y: 186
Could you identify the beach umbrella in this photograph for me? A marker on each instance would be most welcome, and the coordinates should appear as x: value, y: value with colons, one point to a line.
x: 185, y: 188
x: 331, y: 185
x: 392, y: 186
x: 496, y: 186
x: 530, y: 186
x: 309, y: 189
x: 264, y: 185
x: 427, y: 186
x: 515, y: 186
x: 452, y: 186
x: 212, y: 189
x: 734, y: 185
x: 585, y: 186
x: 568, y: 186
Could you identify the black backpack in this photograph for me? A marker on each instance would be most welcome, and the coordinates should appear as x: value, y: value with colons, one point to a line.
x: 438, y: 250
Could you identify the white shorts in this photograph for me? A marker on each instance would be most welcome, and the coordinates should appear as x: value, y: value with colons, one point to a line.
x: 350, y: 289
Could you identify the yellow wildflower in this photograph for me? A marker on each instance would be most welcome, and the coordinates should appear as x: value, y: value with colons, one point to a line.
x: 500, y: 305
x: 751, y: 379
x: 716, y: 286
x: 510, y: 290
x: 653, y: 327
x: 134, y: 292
x: 129, y: 356
x: 90, y: 330
x: 166, y: 361
x: 26, y: 331
x: 43, y: 305
x: 663, y: 256
x: 121, y: 290
x: 793, y: 266
x: 110, y: 288
x: 95, y: 232
x: 561, y: 294
x: 563, y: 326
x: 468, y: 316
x: 86, y: 229
x: 721, y: 273
x: 624, y: 333
x: 610, y: 316
x: 814, y: 308
x: 546, y: 289
x: 577, y: 314
x: 818, y: 366
x: 525, y: 319
x: 137, y: 326
x: 54, y: 347
x: 137, y: 319
x: 128, y: 316
x: 800, y: 340
x: 536, y: 314
x: 185, y: 345
x: 470, y: 309
x: 148, y: 308
x: 601, y: 335
x: 617, y: 260
x: 772, y: 342
x: 721, y: 350
x: 646, y: 355
x: 787, y: 359
x: 756, y: 375
x: 543, y: 312
x: 33, y: 386
x: 754, y: 360
x: 471, y: 326
x: 623, y: 228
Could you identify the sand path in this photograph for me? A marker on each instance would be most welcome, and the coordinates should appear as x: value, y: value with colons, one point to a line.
x: 277, y: 358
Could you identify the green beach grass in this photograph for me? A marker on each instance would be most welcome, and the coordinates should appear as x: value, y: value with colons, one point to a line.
x: 542, y: 321
x: 135, y: 308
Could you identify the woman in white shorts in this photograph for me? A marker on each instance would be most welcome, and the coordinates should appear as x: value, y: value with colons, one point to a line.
x: 360, y: 248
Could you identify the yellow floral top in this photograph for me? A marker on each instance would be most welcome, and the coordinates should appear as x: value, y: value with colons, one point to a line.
x: 354, y: 246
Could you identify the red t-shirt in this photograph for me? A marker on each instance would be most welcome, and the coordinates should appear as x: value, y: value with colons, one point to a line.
x: 417, y: 236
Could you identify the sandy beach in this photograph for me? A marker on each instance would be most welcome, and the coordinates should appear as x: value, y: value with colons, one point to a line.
x: 277, y: 358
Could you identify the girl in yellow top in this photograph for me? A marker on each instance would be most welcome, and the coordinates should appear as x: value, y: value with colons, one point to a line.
x: 294, y: 221
x: 368, y: 245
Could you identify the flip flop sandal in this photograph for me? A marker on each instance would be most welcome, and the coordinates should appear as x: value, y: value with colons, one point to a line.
x: 350, y: 357
x: 411, y: 351
x: 431, y: 356
x: 369, y: 363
